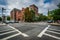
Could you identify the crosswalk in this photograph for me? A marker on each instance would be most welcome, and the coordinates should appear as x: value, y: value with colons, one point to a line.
x: 7, y: 32
x: 53, y: 33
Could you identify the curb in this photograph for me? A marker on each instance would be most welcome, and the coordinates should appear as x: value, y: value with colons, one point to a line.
x: 56, y: 24
x: 3, y: 24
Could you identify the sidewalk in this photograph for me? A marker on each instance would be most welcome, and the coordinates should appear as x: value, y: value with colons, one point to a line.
x: 2, y: 24
x: 57, y: 24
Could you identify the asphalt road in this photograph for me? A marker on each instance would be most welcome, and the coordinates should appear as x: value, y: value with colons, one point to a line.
x: 29, y: 31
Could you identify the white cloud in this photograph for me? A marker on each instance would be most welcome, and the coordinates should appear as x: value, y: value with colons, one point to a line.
x: 43, y: 8
x: 25, y: 3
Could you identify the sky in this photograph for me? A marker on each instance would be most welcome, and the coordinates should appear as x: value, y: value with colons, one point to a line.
x: 43, y: 5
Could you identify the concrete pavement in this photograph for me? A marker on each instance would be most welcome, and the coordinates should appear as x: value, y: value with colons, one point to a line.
x: 2, y: 24
x: 29, y: 31
x: 56, y: 24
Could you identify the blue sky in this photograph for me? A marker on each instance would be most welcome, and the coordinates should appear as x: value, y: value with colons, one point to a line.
x: 43, y: 5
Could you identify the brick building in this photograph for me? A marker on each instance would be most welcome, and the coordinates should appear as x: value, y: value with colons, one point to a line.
x: 34, y: 7
x: 18, y: 15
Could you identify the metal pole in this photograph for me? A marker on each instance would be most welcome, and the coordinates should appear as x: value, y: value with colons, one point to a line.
x: 2, y: 14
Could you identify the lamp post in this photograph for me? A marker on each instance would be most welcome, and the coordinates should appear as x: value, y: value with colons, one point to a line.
x: 2, y: 14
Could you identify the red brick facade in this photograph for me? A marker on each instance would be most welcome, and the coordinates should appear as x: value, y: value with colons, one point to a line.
x: 18, y: 15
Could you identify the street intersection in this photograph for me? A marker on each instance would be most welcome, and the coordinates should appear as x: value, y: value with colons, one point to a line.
x: 29, y: 31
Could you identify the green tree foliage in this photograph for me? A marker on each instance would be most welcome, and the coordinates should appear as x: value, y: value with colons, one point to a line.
x: 32, y: 15
x: 58, y: 5
x: 27, y: 15
x: 8, y: 17
x: 42, y: 17
x: 55, y: 14
x: 0, y: 19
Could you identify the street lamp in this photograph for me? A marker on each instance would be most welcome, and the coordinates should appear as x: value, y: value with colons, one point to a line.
x: 2, y: 14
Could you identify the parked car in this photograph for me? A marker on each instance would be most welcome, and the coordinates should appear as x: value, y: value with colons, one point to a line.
x: 7, y: 22
x: 58, y: 21
x: 50, y: 21
x: 14, y: 21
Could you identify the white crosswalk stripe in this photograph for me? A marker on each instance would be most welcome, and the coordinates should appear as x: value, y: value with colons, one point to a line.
x: 11, y: 36
x: 52, y: 36
x: 25, y: 35
x: 14, y: 30
x: 7, y: 32
x: 53, y: 32
x: 53, y: 29
x: 41, y: 34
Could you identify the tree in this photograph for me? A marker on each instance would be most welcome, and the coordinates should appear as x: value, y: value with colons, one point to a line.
x: 58, y: 5
x: 27, y: 15
x: 50, y: 15
x: 8, y: 17
x: 0, y: 19
x: 32, y: 15
x: 55, y: 14
x: 42, y: 17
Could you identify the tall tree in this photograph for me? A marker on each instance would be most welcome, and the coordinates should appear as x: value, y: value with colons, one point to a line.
x: 0, y: 19
x: 27, y: 15
x: 8, y: 17
x: 55, y: 14
x: 58, y: 5
x: 32, y: 12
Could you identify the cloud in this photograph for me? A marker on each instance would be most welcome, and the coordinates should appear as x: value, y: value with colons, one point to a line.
x: 41, y: 4
x: 43, y: 8
x: 24, y: 3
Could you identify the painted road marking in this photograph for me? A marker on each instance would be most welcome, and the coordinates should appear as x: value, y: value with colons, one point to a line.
x: 52, y: 36
x: 53, y: 29
x: 7, y: 32
x: 25, y: 35
x: 53, y: 32
x: 20, y: 33
x: 10, y: 36
x: 41, y: 34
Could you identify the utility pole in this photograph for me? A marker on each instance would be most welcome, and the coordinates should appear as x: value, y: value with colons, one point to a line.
x: 2, y: 14
x: 48, y: 12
